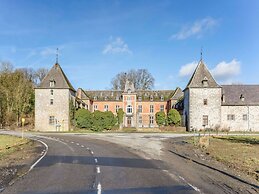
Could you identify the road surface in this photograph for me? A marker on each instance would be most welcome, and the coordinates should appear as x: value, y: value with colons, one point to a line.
x: 79, y: 164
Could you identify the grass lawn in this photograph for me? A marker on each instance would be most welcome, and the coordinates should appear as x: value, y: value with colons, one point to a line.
x: 238, y: 152
x: 10, y: 144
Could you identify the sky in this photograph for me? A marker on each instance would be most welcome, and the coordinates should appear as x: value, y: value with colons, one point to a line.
x: 98, y: 39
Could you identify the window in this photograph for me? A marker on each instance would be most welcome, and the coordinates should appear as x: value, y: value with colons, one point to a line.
x: 231, y: 117
x: 162, y: 108
x: 128, y: 98
x: 52, y: 83
x: 129, y: 109
x: 151, y: 98
x: 129, y: 91
x: 51, y: 92
x: 140, y: 119
x: 95, y: 107
x: 106, y: 107
x: 205, y: 82
x: 162, y: 98
x: 51, y: 120
x: 105, y: 98
x: 151, y: 119
x: 205, y: 101
x: 242, y: 98
x: 245, y: 117
x: 117, y: 97
x: 140, y: 108
x: 117, y: 107
x: 86, y: 106
x: 51, y: 101
x: 205, y: 120
x: 139, y: 98
x: 95, y: 98
x: 151, y: 108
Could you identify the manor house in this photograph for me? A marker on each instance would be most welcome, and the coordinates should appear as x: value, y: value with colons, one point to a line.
x: 202, y: 104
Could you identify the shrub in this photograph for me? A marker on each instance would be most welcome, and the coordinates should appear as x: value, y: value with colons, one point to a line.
x: 120, y: 115
x: 83, y: 118
x: 174, y: 117
x: 161, y: 118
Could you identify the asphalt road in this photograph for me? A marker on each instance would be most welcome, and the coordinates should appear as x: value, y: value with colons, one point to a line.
x: 78, y: 164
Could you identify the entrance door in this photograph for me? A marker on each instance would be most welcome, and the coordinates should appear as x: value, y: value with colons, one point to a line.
x: 128, y: 121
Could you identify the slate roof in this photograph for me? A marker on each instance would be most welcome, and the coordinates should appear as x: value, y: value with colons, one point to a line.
x: 146, y: 95
x: 61, y: 81
x: 233, y: 93
x: 201, y: 73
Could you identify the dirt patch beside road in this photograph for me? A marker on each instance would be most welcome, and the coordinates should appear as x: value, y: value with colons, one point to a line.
x: 206, y: 164
x: 16, y: 156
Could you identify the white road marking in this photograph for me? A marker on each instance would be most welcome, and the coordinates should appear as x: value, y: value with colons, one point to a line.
x: 82, y: 146
x: 92, y: 152
x: 195, y: 188
x: 46, y: 150
x: 72, y: 142
x: 99, y: 188
x: 96, y: 161
x: 77, y: 144
x: 88, y: 148
x: 98, y: 169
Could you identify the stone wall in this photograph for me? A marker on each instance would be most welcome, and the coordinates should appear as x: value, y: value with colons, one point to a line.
x: 197, y: 109
x: 59, y: 109
x: 239, y: 123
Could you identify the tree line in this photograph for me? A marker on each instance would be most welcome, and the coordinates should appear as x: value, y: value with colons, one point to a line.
x: 17, y: 93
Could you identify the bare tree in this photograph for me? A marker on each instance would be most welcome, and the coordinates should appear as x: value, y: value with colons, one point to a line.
x: 29, y: 74
x: 6, y: 67
x: 40, y: 74
x: 141, y: 78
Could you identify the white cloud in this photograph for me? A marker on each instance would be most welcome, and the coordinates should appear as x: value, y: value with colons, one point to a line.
x: 188, y: 69
x: 116, y: 45
x: 225, y: 71
x: 48, y: 51
x: 196, y: 29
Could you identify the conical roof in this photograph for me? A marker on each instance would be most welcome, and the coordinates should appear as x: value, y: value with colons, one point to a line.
x: 200, y: 75
x: 56, y: 74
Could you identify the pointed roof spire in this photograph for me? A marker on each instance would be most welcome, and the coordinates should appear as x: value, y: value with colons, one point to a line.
x: 200, y: 75
x: 57, y: 56
x: 201, y: 53
x: 56, y: 74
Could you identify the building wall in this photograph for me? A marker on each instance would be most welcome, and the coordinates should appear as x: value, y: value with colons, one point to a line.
x: 111, y: 105
x: 239, y: 124
x: 59, y: 109
x: 186, y: 116
x: 197, y: 109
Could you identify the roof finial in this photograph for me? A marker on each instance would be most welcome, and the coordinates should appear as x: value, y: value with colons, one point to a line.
x: 201, y: 53
x: 57, y: 56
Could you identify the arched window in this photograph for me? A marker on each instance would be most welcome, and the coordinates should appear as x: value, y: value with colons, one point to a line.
x: 129, y: 109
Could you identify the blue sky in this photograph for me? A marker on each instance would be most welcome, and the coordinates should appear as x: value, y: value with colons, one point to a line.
x: 98, y: 39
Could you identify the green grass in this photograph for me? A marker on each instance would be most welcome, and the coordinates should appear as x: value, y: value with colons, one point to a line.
x: 241, y: 139
x: 9, y: 144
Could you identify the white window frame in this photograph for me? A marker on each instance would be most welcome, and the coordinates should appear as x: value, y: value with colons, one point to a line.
x: 106, y: 107
x: 151, y: 108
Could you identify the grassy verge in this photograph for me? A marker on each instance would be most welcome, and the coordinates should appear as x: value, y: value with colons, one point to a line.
x: 10, y: 144
x: 238, y: 152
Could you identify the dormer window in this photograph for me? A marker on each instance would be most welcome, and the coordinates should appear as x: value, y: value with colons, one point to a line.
x: 139, y: 98
x: 205, y: 82
x: 117, y: 97
x: 223, y: 98
x: 242, y: 98
x: 129, y: 91
x: 105, y: 98
x: 151, y: 98
x: 52, y: 83
x: 162, y: 98
x: 95, y: 98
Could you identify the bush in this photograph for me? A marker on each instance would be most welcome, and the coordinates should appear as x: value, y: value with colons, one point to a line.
x: 174, y: 117
x: 161, y: 118
x: 83, y: 118
x: 120, y: 115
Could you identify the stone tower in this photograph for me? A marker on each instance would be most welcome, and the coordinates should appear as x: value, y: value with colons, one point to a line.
x: 52, y: 101
x: 202, y: 100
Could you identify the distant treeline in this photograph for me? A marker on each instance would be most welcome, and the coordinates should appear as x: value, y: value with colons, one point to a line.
x: 17, y: 93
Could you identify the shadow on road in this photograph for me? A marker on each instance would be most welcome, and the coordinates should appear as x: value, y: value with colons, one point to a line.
x: 102, y: 161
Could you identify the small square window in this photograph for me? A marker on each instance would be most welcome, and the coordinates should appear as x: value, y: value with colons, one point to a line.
x: 205, y: 102
x: 51, y: 101
x: 205, y: 120
x: 51, y: 120
x: 51, y: 92
x: 245, y: 117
